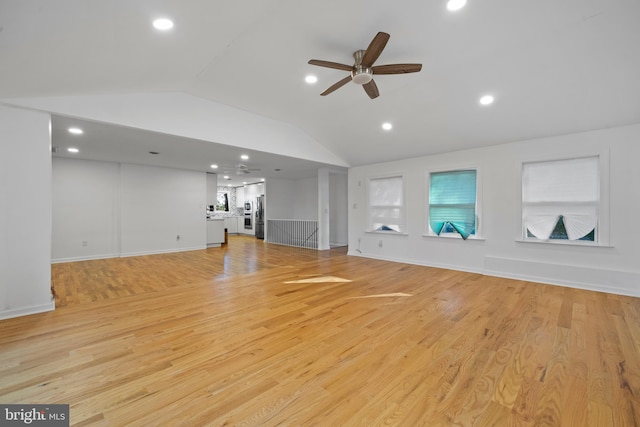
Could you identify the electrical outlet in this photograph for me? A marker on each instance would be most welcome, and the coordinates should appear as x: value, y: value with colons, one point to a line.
x: 177, y: 237
x: 85, y: 243
x: 380, y: 243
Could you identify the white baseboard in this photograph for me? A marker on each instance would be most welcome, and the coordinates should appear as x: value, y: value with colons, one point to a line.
x: 579, y: 277
x: 83, y: 258
x: 164, y: 251
x: 593, y: 279
x: 126, y: 255
x: 25, y: 311
x: 417, y: 262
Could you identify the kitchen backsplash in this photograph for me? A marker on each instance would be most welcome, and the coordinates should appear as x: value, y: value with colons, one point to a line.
x: 234, y: 209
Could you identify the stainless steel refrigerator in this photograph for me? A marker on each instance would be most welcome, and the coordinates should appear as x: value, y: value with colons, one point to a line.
x: 259, y: 226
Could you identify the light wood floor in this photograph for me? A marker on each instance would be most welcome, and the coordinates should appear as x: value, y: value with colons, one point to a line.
x: 263, y: 335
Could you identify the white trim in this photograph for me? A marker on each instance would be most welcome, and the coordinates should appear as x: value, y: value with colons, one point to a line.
x: 583, y: 243
x: 387, y: 232
x: 25, y: 311
x: 529, y: 271
x: 130, y: 254
x: 454, y: 236
x: 564, y: 275
x: 83, y: 258
x: 603, y: 227
x: 403, y: 207
x: 416, y: 262
x: 165, y: 251
x: 425, y: 204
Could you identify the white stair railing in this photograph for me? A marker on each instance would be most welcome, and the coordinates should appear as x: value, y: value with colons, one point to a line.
x: 293, y: 232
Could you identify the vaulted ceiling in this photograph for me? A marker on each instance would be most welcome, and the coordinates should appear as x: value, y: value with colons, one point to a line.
x: 553, y: 66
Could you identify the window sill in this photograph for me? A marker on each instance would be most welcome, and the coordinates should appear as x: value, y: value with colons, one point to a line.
x: 393, y: 233
x: 582, y: 243
x: 453, y: 237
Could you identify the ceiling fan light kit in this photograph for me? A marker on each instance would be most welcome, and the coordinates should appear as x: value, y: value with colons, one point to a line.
x: 360, y: 75
x: 363, y: 70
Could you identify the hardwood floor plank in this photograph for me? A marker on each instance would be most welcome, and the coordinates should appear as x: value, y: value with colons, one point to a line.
x: 263, y: 335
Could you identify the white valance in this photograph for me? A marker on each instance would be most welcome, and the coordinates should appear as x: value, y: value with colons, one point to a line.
x: 541, y: 226
x: 577, y: 226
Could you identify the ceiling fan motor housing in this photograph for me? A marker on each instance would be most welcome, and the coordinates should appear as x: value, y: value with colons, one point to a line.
x: 360, y: 75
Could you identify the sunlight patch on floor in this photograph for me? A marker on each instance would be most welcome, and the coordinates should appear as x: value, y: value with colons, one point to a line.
x: 322, y: 279
x: 395, y: 294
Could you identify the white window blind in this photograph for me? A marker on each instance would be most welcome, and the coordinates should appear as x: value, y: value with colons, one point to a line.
x: 386, y: 204
x: 561, y: 194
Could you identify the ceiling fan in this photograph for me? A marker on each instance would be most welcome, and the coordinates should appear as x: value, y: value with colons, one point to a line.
x: 242, y: 169
x: 362, y: 70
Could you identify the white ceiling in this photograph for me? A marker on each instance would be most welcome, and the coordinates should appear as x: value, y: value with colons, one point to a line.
x: 554, y: 67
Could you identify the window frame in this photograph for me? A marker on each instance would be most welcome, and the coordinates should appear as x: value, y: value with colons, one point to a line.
x: 602, y: 228
x: 226, y: 202
x: 403, y: 207
x: 478, y: 205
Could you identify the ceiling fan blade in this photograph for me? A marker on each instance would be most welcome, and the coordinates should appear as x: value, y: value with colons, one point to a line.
x: 330, y: 64
x: 396, y: 68
x: 375, y: 49
x: 372, y: 89
x: 337, y: 85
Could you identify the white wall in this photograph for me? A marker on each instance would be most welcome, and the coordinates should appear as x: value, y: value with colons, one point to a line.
x: 104, y: 209
x: 338, y: 211
x: 212, y: 189
x: 86, y: 209
x: 292, y: 199
x: 280, y: 196
x: 25, y: 213
x: 322, y: 198
x: 611, y: 269
x: 157, y: 206
x: 207, y: 121
x: 306, y: 199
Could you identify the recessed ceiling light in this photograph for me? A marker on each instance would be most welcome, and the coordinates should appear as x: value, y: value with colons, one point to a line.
x: 486, y: 100
x: 311, y: 79
x: 72, y: 150
x: 163, y: 24
x: 387, y: 126
x: 214, y: 166
x: 226, y: 177
x: 262, y: 179
x: 76, y: 131
x: 244, y: 157
x: 454, y: 5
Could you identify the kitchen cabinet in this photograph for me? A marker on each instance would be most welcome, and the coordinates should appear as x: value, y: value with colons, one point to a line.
x: 240, y: 197
x: 231, y: 224
x: 215, y: 232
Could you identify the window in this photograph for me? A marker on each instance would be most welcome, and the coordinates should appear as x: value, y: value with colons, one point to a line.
x: 452, y: 203
x: 222, y: 202
x: 386, y: 204
x: 561, y: 199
